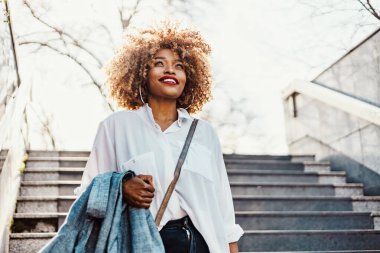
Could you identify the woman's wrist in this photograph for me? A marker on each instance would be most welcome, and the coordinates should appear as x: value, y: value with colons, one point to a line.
x: 234, y: 247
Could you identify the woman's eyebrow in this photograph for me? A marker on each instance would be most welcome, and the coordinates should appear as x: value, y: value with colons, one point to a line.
x: 163, y: 58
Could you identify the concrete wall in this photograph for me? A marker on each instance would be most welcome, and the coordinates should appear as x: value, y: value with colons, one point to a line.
x: 351, y: 144
x: 358, y: 72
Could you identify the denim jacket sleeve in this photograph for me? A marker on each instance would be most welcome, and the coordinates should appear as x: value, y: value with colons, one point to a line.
x: 118, y: 228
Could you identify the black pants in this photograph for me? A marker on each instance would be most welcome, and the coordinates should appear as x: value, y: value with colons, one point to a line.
x: 180, y: 236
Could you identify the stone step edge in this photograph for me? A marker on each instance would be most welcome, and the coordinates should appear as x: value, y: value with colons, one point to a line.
x: 278, y: 155
x: 38, y: 215
x: 281, y: 172
x: 59, y: 169
x: 229, y: 171
x: 237, y: 213
x: 246, y: 232
x: 242, y: 171
x: 52, y: 182
x: 353, y: 198
x: 275, y: 162
x: 305, y: 213
x: 228, y: 160
x: 232, y: 154
x: 57, y: 159
x: 31, y: 235
x: 312, y: 232
x: 77, y: 182
x: 346, y: 185
x: 232, y: 159
x: 335, y: 251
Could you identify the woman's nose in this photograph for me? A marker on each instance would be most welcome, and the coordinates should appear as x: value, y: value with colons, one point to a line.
x: 169, y: 70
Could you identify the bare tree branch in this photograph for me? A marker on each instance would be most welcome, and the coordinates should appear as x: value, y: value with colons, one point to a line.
x: 127, y: 21
x: 79, y: 63
x: 63, y: 33
x: 370, y: 8
x: 46, y: 122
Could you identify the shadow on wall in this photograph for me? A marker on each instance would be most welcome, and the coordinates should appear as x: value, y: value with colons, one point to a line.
x: 356, y: 172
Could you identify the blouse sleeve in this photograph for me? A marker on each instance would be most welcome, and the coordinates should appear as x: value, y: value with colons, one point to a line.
x: 102, y: 157
x: 233, y: 231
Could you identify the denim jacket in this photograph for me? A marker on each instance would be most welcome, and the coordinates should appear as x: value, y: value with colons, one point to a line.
x: 100, y: 221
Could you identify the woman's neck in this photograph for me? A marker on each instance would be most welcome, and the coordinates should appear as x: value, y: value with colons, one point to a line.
x: 163, y: 111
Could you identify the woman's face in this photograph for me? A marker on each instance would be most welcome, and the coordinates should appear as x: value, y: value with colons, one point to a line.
x: 166, y: 76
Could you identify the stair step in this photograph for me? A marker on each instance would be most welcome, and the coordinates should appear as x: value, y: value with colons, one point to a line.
x: 47, y: 174
x: 33, y: 242
x: 376, y: 219
x: 28, y: 242
x: 29, y: 204
x: 250, y: 220
x: 263, y: 165
x: 298, y: 158
x: 300, y: 203
x: 312, y: 166
x: 328, y: 251
x: 56, y: 162
x: 256, y: 176
x: 237, y: 175
x: 41, y: 153
x: 37, y: 222
x: 296, y: 189
x: 309, y: 240
x: 48, y: 188
x: 233, y: 164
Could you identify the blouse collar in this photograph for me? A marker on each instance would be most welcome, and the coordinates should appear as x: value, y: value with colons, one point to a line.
x: 182, y: 115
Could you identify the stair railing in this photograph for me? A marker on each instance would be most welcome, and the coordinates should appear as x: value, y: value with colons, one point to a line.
x: 343, y: 102
x: 13, y: 98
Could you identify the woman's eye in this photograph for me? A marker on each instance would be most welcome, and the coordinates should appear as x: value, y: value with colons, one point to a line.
x: 180, y: 66
x: 158, y: 64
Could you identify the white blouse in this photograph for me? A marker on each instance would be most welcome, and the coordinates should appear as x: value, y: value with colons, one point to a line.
x: 132, y: 140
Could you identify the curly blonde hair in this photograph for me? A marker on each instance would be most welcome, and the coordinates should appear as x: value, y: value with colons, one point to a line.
x: 129, y: 68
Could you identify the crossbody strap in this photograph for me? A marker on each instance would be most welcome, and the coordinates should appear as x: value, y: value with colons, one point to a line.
x: 177, y: 172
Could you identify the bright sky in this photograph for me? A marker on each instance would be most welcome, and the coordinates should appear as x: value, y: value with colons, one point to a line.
x: 258, y: 48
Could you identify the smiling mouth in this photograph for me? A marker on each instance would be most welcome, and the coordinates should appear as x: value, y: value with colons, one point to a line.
x: 169, y: 80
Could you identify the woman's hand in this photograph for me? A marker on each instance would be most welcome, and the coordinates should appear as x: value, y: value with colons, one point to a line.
x: 139, y: 191
x: 234, y: 247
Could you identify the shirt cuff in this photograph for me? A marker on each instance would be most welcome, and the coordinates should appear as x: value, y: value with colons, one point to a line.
x: 235, y: 233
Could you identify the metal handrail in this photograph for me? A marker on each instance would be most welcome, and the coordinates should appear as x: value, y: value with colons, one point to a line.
x: 11, y: 136
x: 8, y: 15
x: 343, y: 102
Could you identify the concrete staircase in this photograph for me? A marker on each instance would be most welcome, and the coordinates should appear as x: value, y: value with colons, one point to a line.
x: 284, y: 204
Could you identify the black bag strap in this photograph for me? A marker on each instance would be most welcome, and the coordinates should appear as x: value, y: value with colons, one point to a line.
x: 177, y: 172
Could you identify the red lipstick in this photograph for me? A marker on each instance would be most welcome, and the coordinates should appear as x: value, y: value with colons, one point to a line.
x: 169, y: 80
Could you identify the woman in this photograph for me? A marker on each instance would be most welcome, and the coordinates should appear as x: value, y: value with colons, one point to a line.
x: 161, y: 75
